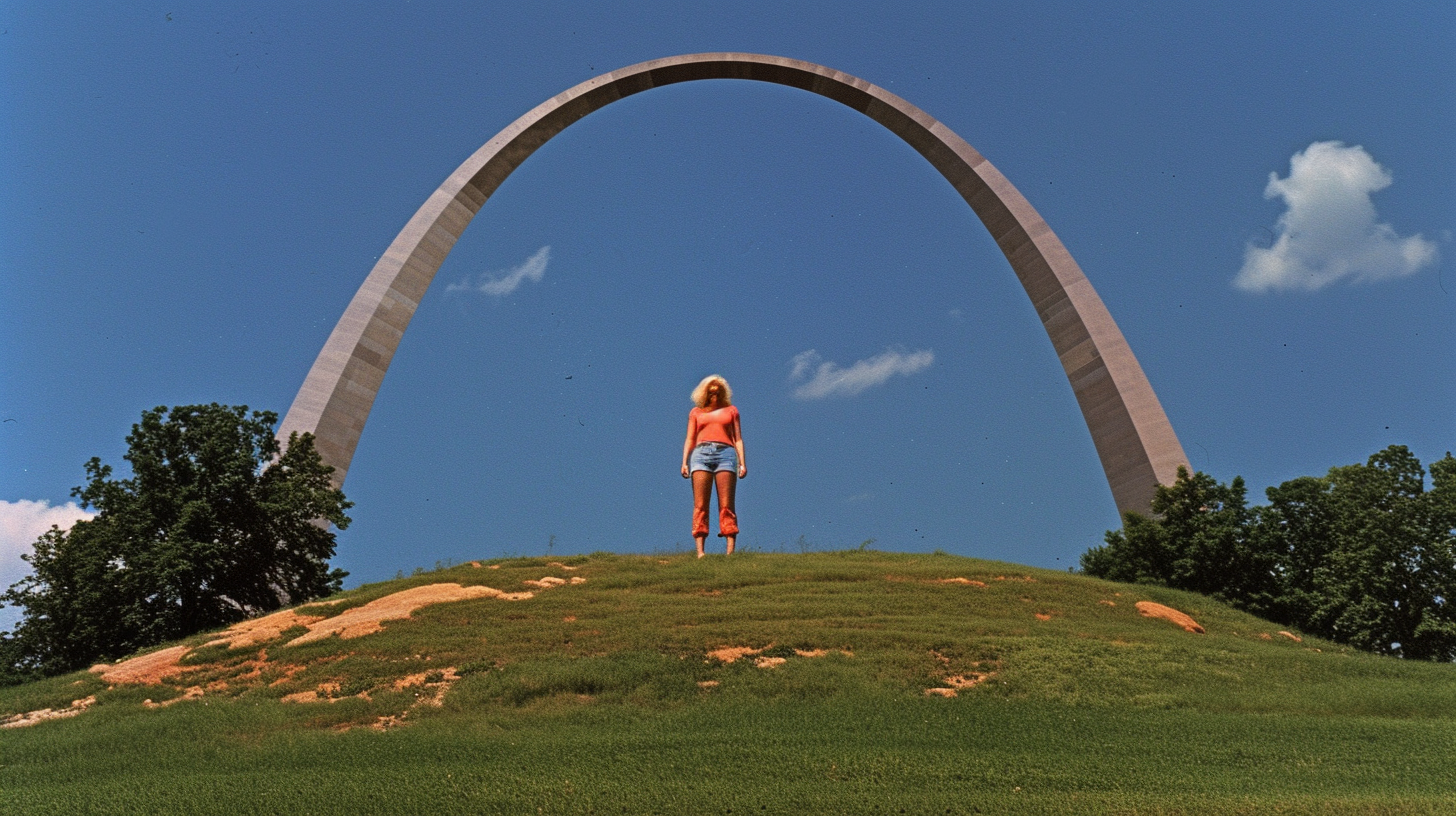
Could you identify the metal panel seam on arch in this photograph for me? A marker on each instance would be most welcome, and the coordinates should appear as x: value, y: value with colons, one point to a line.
x: 1134, y: 440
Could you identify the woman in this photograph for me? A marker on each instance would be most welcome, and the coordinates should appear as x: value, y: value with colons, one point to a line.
x: 713, y: 453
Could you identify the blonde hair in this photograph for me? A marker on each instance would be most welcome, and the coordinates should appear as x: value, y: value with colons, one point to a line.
x: 700, y: 394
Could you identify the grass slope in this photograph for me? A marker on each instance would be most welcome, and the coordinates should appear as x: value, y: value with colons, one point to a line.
x: 602, y: 697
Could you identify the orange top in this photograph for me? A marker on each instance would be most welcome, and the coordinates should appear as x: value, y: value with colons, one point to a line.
x: 719, y: 425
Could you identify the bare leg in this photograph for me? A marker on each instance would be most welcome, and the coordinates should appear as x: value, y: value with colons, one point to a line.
x: 727, y: 511
x: 702, y: 491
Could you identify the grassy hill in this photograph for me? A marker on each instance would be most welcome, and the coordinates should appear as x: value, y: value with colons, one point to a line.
x: 857, y: 682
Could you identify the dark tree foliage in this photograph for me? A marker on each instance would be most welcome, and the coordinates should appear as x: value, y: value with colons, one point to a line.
x: 215, y: 525
x: 1364, y: 555
x: 1197, y: 540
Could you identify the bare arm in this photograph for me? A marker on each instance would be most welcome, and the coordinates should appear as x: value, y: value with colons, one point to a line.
x: 738, y: 445
x: 688, y: 443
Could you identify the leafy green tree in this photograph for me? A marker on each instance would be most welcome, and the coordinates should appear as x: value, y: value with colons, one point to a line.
x: 1364, y: 555
x: 216, y: 524
x: 1367, y: 555
x: 1198, y: 539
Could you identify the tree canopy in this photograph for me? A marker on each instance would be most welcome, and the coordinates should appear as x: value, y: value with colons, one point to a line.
x: 1364, y: 555
x: 216, y: 524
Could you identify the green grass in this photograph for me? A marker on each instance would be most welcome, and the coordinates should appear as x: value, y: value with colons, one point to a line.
x: 600, y: 698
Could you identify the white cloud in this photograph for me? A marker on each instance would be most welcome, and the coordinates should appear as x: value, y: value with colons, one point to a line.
x: 21, y: 523
x: 1329, y: 231
x: 830, y: 380
x: 533, y: 269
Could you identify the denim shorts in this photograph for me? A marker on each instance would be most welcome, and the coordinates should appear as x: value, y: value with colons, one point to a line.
x: 714, y: 457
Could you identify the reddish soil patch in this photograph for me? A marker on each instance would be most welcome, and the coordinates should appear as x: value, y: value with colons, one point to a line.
x: 959, y: 682
x: 370, y: 618
x: 545, y: 583
x: 562, y: 566
x: 1292, y: 636
x: 191, y: 693
x: 1148, y: 609
x: 301, y: 697
x: 148, y: 669
x: 728, y: 654
x: 1108, y: 603
x: 964, y: 581
x: 326, y: 692
x: 431, y: 692
x: 1042, y: 616
x: 288, y: 670
x: 39, y: 716
x: 261, y: 630
x: 769, y: 662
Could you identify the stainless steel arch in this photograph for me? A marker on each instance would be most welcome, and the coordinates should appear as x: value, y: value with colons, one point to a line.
x: 1133, y: 437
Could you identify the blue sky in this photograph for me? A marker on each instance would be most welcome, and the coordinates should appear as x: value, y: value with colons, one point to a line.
x: 189, y: 197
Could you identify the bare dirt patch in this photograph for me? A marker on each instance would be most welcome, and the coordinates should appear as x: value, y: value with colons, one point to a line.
x: 728, y: 654
x: 962, y: 581
x: 41, y: 715
x: 769, y: 662
x: 387, y: 722
x: 432, y: 686
x: 191, y: 693
x: 326, y: 692
x: 1108, y: 603
x: 148, y: 669
x: 370, y: 618
x: 1148, y: 609
x: 261, y: 630
x: 1042, y: 616
x: 962, y: 680
x: 1291, y: 636
x: 286, y: 672
x: 309, y: 696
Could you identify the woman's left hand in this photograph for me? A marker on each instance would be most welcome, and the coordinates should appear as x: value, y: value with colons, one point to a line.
x: 743, y: 471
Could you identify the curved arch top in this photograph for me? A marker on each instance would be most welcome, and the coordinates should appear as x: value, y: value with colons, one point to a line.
x: 1132, y: 434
